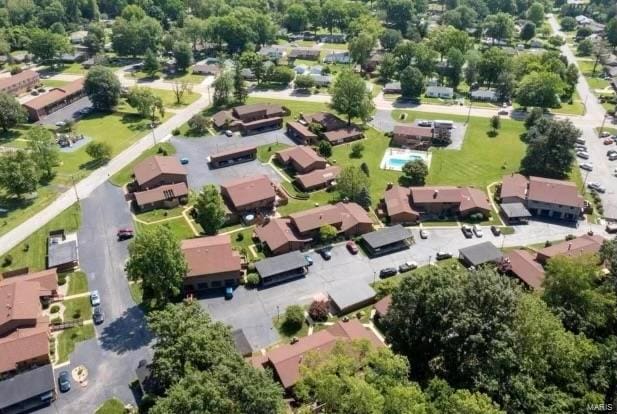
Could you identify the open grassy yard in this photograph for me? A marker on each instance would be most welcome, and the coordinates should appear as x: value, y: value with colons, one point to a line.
x: 77, y: 308
x: 296, y: 107
x: 178, y: 226
x: 68, y: 338
x: 78, y: 283
x: 188, y: 76
x: 594, y: 80
x: 72, y: 69
x: 264, y: 152
x: 112, y: 406
x: 482, y: 159
x: 577, y: 106
x: 125, y: 175
x: 32, y: 251
x: 53, y: 83
x: 160, y: 214
x: 169, y: 97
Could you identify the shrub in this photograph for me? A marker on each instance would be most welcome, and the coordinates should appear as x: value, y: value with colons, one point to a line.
x: 54, y: 309
x: 26, y: 247
x: 319, y: 311
x: 240, y: 236
x: 8, y: 260
x: 476, y: 217
x: 294, y: 318
x: 198, y: 124
x: 325, y: 148
x: 570, y: 237
x: 548, y: 244
x: 356, y: 150
x: 252, y: 279
x: 61, y: 280
x: 364, y: 168
x: 175, y: 132
x: 76, y: 314
x: 56, y: 321
x: 16, y: 69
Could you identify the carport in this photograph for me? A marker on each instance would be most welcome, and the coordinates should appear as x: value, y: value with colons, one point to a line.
x: 515, y: 212
x: 387, y: 240
x: 281, y: 268
x: 480, y: 254
x: 348, y: 296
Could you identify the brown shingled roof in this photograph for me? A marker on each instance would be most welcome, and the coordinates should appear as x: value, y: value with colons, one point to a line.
x: 473, y: 198
x: 248, y: 190
x: 523, y: 265
x: 412, y: 130
x: 210, y: 255
x: 561, y: 192
x: 303, y: 155
x: 585, y: 244
x: 318, y: 177
x: 18, y: 77
x: 286, y: 359
x: 396, y: 200
x: 55, y: 95
x: 163, y: 192
x: 382, y: 306
x: 342, y: 133
x: 156, y: 165
x: 514, y: 185
x: 277, y: 232
x: 301, y: 129
x: 48, y: 279
x: 426, y: 195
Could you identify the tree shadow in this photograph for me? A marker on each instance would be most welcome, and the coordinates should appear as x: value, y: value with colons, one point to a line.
x: 127, y: 333
x: 92, y: 164
x: 492, y: 133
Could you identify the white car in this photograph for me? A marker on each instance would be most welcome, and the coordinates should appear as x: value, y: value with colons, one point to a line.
x: 423, y: 234
x: 605, y: 134
x: 95, y: 299
x: 587, y: 166
x: 597, y: 187
x: 477, y: 231
x: 582, y: 154
x: 229, y: 133
x: 60, y: 123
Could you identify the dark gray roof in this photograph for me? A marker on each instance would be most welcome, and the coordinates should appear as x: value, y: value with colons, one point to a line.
x: 386, y: 236
x: 280, y: 264
x: 346, y: 294
x: 481, y: 253
x: 515, y: 210
x: 242, y: 344
x: 63, y: 253
x: 26, y: 385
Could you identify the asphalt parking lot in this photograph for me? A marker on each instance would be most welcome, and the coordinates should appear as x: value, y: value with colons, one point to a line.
x: 197, y: 151
x: 70, y: 111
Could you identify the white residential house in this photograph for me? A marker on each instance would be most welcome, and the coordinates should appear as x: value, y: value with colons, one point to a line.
x: 78, y: 36
x: 338, y: 57
x: 315, y: 70
x: 440, y: 92
x: 483, y: 94
x: 392, y: 87
x: 321, y: 80
x: 272, y: 53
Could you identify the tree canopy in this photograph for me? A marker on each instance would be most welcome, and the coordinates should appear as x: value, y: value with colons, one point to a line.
x: 103, y: 88
x: 209, y: 209
x: 350, y: 97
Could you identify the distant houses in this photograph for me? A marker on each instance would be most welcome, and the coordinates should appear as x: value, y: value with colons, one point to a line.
x: 160, y: 182
x: 444, y: 92
x: 332, y: 128
x: 250, y: 119
x: 19, y: 83
x: 249, y: 195
x: 55, y: 99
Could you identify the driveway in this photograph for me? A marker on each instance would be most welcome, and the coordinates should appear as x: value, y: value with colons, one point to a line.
x: 254, y: 310
x: 70, y: 111
x: 122, y: 340
x: 197, y: 151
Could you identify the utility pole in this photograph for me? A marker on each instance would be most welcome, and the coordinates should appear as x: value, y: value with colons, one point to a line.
x: 75, y: 188
x: 153, y: 135
x: 602, y: 126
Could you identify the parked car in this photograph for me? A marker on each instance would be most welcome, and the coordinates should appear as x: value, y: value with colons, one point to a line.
x: 443, y: 255
x: 597, y: 187
x: 580, y: 141
x: 184, y: 160
x: 95, y: 299
x: 611, y: 228
x: 229, y: 133
x: 608, y: 141
x: 326, y: 253
x: 352, y: 247
x: 612, y: 157
x: 98, y: 316
x: 423, y: 234
x: 582, y: 154
x: 34, y: 92
x: 467, y: 232
x: 580, y: 148
x: 611, y: 152
x: 604, y: 134
x: 64, y: 381
x: 477, y: 231
x: 496, y: 230
x: 407, y: 266
x: 309, y: 260
x: 503, y: 112
x: 587, y: 166
x: 387, y: 272
x: 229, y: 293
x: 124, y: 234
x: 424, y: 123
x: 60, y: 123
x: 85, y: 111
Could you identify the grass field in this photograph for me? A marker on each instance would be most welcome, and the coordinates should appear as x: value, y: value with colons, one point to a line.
x: 169, y: 97
x: 53, y: 83
x: 160, y: 214
x: 296, y: 107
x: 595, y: 81
x: 78, y: 283
x: 112, y: 406
x: 68, y: 338
x: 125, y: 175
x: 77, y: 308
x: 72, y: 69
x: 482, y: 159
x: 32, y: 251
x: 179, y: 227
x: 264, y: 152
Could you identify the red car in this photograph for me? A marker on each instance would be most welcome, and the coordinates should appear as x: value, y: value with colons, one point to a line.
x: 352, y: 247
x: 608, y: 141
x: 124, y: 234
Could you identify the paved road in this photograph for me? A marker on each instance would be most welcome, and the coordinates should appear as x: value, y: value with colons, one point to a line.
x: 122, y: 340
x: 100, y: 176
x: 197, y: 151
x: 254, y: 310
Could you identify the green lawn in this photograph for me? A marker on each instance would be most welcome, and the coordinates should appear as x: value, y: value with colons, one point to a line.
x: 335, y: 46
x: 68, y: 338
x: 32, y: 251
x: 53, y: 83
x: 241, y: 240
x: 77, y: 308
x: 188, y: 76
x: 72, y: 69
x: 264, y: 152
x: 318, y: 198
x: 169, y: 97
x: 136, y: 292
x: 296, y: 107
x: 595, y: 81
x: 482, y: 159
x: 179, y: 227
x: 575, y: 108
x: 287, y: 334
x: 78, y: 283
x: 112, y: 406
x: 160, y: 214
x: 125, y: 175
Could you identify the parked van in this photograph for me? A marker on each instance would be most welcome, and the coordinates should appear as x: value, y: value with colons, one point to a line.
x: 611, y: 228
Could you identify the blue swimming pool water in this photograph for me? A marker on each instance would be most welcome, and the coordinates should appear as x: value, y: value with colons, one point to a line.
x: 399, y: 162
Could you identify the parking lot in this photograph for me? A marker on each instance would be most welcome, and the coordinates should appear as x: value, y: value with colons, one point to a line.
x: 197, y: 151
x: 70, y: 111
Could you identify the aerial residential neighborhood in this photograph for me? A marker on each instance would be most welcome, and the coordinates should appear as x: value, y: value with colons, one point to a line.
x: 399, y: 206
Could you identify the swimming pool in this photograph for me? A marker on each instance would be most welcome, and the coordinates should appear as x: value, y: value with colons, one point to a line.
x: 396, y: 158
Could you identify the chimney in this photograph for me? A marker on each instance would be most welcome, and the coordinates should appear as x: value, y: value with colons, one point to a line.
x: 435, y: 193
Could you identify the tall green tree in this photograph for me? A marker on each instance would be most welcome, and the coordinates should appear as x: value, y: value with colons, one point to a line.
x: 499, y: 26
x: 296, y: 18
x: 327, y: 233
x: 223, y: 89
x: 209, y: 209
x: 350, y: 97
x: 351, y: 181
x: 240, y: 92
x: 360, y: 48
x: 151, y: 64
x: 540, y: 89
x: 103, y: 88
x: 43, y: 150
x: 11, y: 112
x: 156, y: 260
x: 183, y: 55
x: 535, y: 13
x: 415, y: 172
x: 19, y: 174
x: 146, y: 103
x: 99, y: 151
x: 528, y: 31
x: 611, y: 32
x: 48, y: 46
x: 412, y: 82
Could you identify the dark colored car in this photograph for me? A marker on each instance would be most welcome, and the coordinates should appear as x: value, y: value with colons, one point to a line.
x: 98, y: 316
x: 352, y: 247
x: 64, y: 381
x: 124, y: 234
x: 443, y: 255
x: 387, y: 272
x: 496, y: 230
x: 407, y: 266
x: 467, y: 232
x: 229, y: 293
x: 326, y: 254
